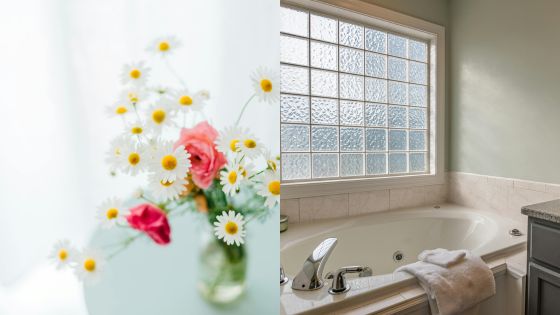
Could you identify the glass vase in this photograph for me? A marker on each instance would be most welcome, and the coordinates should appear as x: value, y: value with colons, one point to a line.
x: 222, y: 270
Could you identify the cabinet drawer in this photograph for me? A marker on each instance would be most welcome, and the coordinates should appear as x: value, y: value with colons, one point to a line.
x: 545, y: 244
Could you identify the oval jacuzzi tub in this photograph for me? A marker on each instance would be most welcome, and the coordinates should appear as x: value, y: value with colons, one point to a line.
x: 386, y: 240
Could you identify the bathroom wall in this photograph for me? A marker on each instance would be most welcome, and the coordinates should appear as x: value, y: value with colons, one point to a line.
x: 504, y: 108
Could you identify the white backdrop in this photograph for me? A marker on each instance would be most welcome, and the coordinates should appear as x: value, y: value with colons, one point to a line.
x: 59, y: 67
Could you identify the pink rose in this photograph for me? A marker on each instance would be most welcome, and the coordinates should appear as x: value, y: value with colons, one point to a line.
x: 152, y: 221
x: 206, y: 161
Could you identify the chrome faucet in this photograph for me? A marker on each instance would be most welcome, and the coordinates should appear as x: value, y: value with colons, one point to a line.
x: 339, y: 284
x: 311, y: 275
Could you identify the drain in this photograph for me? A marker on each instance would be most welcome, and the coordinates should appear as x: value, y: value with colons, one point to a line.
x: 515, y: 232
x: 398, y: 256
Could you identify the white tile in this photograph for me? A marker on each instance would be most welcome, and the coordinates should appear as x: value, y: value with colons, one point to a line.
x: 407, y: 197
x: 523, y: 197
x: 435, y: 194
x: 553, y: 189
x: 529, y: 185
x: 368, y: 202
x: 290, y: 207
x: 323, y: 207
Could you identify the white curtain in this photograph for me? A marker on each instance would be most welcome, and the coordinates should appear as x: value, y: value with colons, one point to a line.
x: 59, y: 67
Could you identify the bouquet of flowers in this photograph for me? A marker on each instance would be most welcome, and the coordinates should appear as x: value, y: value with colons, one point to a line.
x: 228, y: 176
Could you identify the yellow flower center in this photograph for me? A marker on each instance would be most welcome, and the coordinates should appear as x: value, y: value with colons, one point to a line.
x: 163, y: 46
x: 62, y: 254
x: 250, y: 143
x: 121, y: 110
x: 89, y: 265
x: 133, y: 158
x: 233, y: 145
x: 169, y: 162
x: 274, y: 187
x: 136, y: 130
x: 166, y: 183
x: 112, y: 213
x: 266, y: 85
x: 243, y: 171
x: 133, y: 97
x: 117, y: 151
x: 185, y: 100
x: 158, y: 116
x: 232, y: 177
x: 231, y: 228
x: 135, y: 74
x: 271, y: 164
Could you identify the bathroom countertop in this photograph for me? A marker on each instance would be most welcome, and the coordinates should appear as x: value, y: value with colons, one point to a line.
x: 549, y: 211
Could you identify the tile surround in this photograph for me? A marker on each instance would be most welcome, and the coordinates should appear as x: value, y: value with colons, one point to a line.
x: 505, y: 196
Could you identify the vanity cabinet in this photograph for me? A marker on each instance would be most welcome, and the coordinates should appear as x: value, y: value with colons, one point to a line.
x: 543, y: 267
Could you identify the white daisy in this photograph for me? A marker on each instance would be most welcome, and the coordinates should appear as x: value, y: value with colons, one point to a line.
x: 159, y: 116
x: 161, y: 90
x: 204, y: 94
x: 110, y: 212
x: 133, y: 96
x: 134, y: 158
x: 269, y: 187
x: 229, y: 228
x: 272, y: 161
x: 166, y: 190
x: 138, y: 193
x: 135, y: 72
x: 250, y: 146
x: 134, y: 130
x: 164, y: 46
x: 89, y: 266
x: 229, y: 138
x: 231, y: 178
x: 169, y: 164
x: 247, y: 169
x: 63, y: 254
x: 118, y: 109
x: 184, y: 100
x: 266, y: 83
x: 114, y: 155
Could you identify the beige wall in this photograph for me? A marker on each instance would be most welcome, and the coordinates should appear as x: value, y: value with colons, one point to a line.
x: 505, y: 88
x: 434, y: 11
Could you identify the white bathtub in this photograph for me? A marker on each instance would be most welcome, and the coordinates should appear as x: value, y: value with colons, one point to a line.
x: 373, y: 239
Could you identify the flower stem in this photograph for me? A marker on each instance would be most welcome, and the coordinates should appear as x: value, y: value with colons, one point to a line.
x: 124, y: 245
x: 243, y: 109
x: 173, y: 72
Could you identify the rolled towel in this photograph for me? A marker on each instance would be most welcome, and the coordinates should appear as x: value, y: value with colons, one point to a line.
x: 457, y: 288
x: 442, y: 257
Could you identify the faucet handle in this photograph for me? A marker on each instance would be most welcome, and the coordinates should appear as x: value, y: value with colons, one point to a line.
x: 283, y: 277
x: 339, y: 284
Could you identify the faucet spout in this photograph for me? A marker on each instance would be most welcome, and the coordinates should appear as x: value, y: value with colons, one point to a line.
x: 311, y: 275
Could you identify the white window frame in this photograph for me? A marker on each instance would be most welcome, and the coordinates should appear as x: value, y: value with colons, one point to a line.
x: 389, y: 20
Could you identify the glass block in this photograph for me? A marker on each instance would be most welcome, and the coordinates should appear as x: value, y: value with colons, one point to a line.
x: 324, y: 83
x: 397, y: 68
x: 325, y: 165
x: 418, y: 50
x: 351, y: 60
x: 324, y: 28
x: 294, y: 108
x: 417, y: 140
x: 376, y: 65
x: 351, y: 113
x: 376, y: 40
x: 376, y: 90
x: 417, y: 162
x: 351, y: 164
x: 351, y: 139
x: 294, y: 79
x: 294, y: 50
x: 376, y: 139
x: 296, y: 166
x: 294, y: 21
x: 351, y: 35
x: 376, y: 115
x: 398, y: 93
x: 324, y: 56
x: 324, y: 111
x: 376, y: 164
x: 351, y: 87
x: 418, y: 72
x: 397, y: 163
x: 417, y: 118
x: 418, y: 95
x: 294, y: 138
x: 397, y: 46
x: 397, y: 117
x: 397, y: 140
x: 324, y: 138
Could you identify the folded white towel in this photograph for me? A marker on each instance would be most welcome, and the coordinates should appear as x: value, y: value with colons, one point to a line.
x: 442, y: 257
x: 457, y: 288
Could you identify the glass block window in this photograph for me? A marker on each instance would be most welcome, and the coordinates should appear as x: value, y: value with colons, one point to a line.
x: 354, y: 99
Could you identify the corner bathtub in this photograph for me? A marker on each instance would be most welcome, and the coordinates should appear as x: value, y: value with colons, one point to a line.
x: 386, y: 240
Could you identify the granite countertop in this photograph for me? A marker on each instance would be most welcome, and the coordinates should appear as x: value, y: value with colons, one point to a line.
x: 549, y: 211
